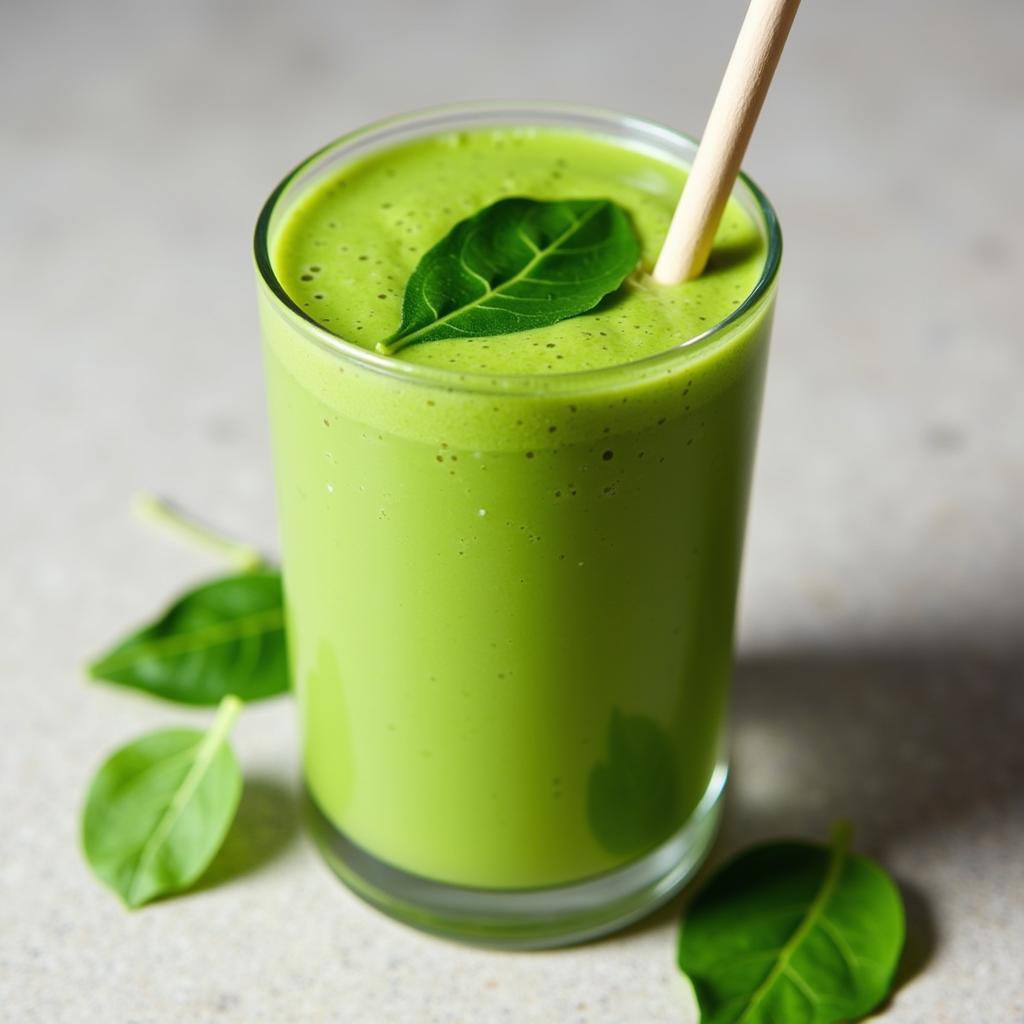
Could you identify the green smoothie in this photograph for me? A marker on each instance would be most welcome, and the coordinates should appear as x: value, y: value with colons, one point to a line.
x: 510, y: 562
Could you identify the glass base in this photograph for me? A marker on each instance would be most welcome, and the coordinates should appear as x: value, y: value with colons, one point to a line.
x: 527, y: 918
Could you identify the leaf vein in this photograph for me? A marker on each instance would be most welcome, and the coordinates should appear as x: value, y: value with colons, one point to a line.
x: 524, y: 273
x: 843, y: 947
x: 813, y: 913
x: 205, y: 637
x: 205, y: 751
x: 801, y: 984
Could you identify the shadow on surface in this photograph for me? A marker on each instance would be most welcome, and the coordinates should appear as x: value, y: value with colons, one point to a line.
x: 920, y: 944
x: 266, y: 824
x: 899, y: 744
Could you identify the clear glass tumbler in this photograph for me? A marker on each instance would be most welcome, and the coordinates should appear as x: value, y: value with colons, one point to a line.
x: 511, y: 599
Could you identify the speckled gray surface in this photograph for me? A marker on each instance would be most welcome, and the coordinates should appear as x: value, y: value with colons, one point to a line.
x: 882, y: 642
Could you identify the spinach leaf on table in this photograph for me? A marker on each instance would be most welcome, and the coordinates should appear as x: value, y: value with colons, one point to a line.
x: 224, y: 637
x: 159, y: 808
x: 793, y: 932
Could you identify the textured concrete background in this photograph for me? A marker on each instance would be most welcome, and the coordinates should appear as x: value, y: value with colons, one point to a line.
x: 882, y: 645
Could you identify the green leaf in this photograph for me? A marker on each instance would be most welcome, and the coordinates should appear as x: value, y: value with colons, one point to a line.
x: 631, y: 793
x: 226, y: 636
x: 159, y: 808
x: 515, y: 265
x: 793, y: 933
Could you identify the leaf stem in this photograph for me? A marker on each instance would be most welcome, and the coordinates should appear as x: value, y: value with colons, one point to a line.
x: 842, y: 835
x: 842, y: 831
x: 154, y: 509
x: 227, y: 713
x: 228, y: 710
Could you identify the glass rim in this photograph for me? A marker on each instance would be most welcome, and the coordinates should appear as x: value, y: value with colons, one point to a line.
x: 457, y: 379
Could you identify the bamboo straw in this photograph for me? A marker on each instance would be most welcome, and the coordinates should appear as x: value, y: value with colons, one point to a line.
x: 730, y: 124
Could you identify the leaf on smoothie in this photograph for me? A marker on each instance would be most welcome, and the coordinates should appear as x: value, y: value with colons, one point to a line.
x: 516, y: 265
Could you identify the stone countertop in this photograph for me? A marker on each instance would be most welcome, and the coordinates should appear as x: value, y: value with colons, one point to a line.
x: 882, y: 640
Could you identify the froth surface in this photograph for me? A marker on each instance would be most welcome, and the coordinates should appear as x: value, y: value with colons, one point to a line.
x: 350, y: 244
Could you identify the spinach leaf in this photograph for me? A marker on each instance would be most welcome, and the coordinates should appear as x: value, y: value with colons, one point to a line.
x: 226, y: 636
x: 517, y: 264
x: 631, y: 792
x: 793, y: 931
x: 160, y: 807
